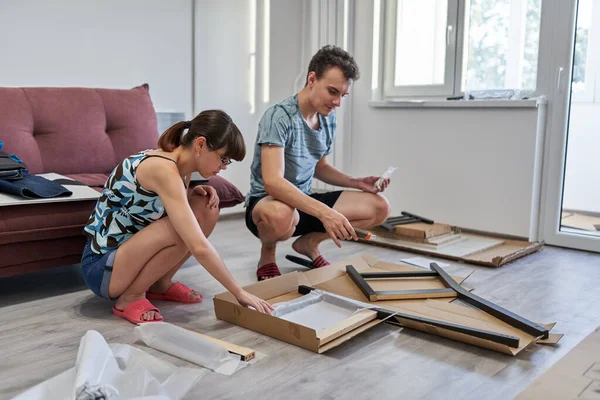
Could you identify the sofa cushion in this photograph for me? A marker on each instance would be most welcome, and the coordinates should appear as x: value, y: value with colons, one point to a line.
x: 229, y: 194
x: 76, y: 130
x: 95, y: 181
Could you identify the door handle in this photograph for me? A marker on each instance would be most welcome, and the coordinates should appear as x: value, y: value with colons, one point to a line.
x: 449, y: 34
x: 559, y: 79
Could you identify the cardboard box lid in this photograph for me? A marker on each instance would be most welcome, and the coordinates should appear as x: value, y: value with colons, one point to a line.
x: 575, y: 376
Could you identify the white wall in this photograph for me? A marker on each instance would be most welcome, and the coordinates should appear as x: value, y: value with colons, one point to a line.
x: 467, y: 167
x: 582, y: 182
x: 109, y: 44
x: 223, y: 78
x: 121, y: 44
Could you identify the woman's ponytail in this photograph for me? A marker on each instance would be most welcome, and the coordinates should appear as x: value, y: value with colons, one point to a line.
x: 171, y: 138
x: 215, y: 125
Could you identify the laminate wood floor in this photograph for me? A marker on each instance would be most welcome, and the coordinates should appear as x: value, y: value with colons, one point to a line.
x: 44, y: 315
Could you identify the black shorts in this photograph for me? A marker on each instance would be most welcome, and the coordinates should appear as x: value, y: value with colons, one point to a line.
x: 307, y: 222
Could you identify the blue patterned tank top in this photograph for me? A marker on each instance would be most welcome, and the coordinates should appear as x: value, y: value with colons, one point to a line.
x: 123, y: 208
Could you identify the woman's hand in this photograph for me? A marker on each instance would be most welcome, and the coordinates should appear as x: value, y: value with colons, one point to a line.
x: 205, y: 190
x: 249, y: 300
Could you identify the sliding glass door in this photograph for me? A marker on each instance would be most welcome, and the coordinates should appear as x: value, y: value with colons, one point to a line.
x: 570, y: 213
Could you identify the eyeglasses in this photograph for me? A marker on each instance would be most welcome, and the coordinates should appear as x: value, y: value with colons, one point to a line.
x: 224, y: 161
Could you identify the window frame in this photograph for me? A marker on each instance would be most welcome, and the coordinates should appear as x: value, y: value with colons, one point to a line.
x: 383, y: 85
x: 390, y: 90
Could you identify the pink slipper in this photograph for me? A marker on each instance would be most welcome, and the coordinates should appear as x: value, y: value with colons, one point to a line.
x: 178, y: 292
x: 320, y: 262
x: 267, y: 271
x: 133, y: 312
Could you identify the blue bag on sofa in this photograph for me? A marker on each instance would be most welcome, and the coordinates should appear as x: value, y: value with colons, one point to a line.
x: 11, y: 167
x: 15, y: 180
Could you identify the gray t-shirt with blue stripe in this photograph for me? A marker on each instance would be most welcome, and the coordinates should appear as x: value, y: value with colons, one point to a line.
x: 282, y: 125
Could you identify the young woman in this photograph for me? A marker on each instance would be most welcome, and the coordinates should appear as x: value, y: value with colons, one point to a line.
x: 146, y: 223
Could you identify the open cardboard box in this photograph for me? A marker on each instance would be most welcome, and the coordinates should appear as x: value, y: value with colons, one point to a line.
x: 285, y: 288
x: 333, y: 279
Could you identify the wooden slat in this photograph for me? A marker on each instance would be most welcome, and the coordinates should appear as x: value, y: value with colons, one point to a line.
x: 245, y: 353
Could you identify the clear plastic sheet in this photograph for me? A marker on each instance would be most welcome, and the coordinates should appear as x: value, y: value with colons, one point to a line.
x: 116, y: 371
x: 188, y: 346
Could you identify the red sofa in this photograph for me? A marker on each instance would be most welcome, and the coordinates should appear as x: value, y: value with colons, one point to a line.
x: 81, y: 133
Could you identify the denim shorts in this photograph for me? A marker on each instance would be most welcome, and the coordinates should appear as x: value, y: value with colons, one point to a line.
x: 96, y: 270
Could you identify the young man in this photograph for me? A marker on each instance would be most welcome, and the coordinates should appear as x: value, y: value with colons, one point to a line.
x: 294, y: 138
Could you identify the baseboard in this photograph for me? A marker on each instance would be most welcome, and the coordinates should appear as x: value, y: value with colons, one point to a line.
x: 232, y: 212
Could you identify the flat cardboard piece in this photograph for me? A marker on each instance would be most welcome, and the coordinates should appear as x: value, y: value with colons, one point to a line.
x: 575, y: 376
x: 509, y: 251
x: 466, y: 316
x: 465, y: 245
x: 471, y: 248
x: 79, y: 193
x: 423, y: 262
x: 334, y: 279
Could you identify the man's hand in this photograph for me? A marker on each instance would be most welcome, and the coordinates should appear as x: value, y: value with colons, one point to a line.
x: 205, y: 190
x: 337, y: 226
x: 367, y: 184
